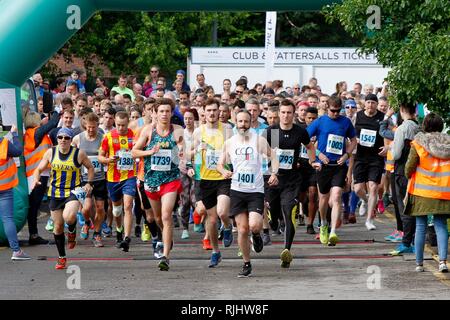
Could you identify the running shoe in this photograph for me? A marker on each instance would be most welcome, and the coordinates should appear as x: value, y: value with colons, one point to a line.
x: 324, y: 235
x: 227, y: 237
x: 246, y: 271
x: 163, y: 264
x: 199, y: 228
x: 286, y: 258
x: 402, y: 248
x: 106, y: 231
x: 125, y: 244
x: 20, y: 255
x: 207, y: 244
x: 84, y: 233
x: 257, y: 242
x: 36, y: 240
x: 196, y: 217
x: 145, y: 234
x: 369, y: 225
x: 158, y: 252
x: 137, y: 231
x: 419, y: 268
x: 351, y: 218
x: 380, y: 207
x: 216, y: 257
x: 443, y: 267
x: 50, y: 225
x: 71, y: 239
x: 220, y: 236
x: 301, y: 220
x: 386, y: 200
x: 97, y: 241
x: 185, y: 234
x: 317, y: 236
x: 61, y: 264
x: 266, y: 239
x: 398, y: 237
x: 333, y: 239
x: 119, y: 237
x: 363, y: 208
x: 310, y: 229
x: 391, y: 236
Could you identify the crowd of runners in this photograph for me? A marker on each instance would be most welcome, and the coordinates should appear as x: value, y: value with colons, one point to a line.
x: 135, y: 159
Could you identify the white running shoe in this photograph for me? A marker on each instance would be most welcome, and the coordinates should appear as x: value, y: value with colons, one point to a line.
x: 363, y: 208
x: 369, y: 225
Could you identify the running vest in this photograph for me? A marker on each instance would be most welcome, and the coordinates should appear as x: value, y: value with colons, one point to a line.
x: 65, y: 173
x: 32, y: 154
x: 214, y: 139
x: 162, y: 167
x: 247, y: 164
x: 139, y: 161
x: 432, y: 176
x: 116, y: 145
x: 8, y: 169
x: 91, y: 149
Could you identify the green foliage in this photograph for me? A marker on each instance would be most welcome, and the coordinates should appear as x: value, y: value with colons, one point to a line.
x: 414, y: 41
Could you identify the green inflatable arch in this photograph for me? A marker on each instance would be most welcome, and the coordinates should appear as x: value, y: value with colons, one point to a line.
x: 31, y: 31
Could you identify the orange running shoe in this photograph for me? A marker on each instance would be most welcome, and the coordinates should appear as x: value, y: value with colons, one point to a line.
x: 71, y: 239
x: 207, y: 244
x: 196, y: 217
x: 61, y: 264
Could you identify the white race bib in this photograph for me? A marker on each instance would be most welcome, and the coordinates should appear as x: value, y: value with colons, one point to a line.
x: 98, y: 167
x: 212, y: 158
x: 367, y: 137
x: 303, y: 152
x: 246, y: 178
x: 162, y: 160
x: 286, y: 158
x: 80, y: 193
x: 335, y: 144
x: 125, y: 161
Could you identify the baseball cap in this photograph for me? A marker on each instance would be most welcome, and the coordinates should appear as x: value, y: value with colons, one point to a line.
x: 269, y: 91
x: 350, y: 103
x: 181, y: 72
x: 371, y: 97
x: 65, y: 132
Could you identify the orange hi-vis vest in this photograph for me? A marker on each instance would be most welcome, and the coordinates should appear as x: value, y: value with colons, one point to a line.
x: 8, y: 169
x: 33, y: 155
x: 389, y: 157
x: 432, y: 176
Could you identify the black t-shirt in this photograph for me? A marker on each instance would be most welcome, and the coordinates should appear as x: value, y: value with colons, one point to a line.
x: 289, y: 144
x: 370, y: 141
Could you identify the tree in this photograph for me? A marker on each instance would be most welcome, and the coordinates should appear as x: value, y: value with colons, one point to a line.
x: 413, y: 39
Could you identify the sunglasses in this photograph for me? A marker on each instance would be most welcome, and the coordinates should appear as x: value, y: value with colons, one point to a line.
x: 154, y: 71
x: 64, y: 138
x: 239, y: 91
x: 350, y: 107
x: 334, y: 110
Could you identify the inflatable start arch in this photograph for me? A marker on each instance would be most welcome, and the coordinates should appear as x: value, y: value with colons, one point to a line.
x: 31, y: 31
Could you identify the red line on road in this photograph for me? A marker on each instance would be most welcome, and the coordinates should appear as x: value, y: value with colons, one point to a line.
x: 94, y: 259
x: 295, y: 242
x: 345, y: 257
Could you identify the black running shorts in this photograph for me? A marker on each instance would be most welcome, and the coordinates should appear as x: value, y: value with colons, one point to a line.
x: 211, y: 189
x: 331, y: 176
x: 244, y: 202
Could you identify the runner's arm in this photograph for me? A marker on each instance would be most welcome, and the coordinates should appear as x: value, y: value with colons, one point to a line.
x: 84, y: 160
x: 138, y: 148
x: 76, y: 141
x: 224, y: 159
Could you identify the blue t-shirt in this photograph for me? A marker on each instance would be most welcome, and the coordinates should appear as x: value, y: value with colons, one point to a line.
x: 331, y: 135
x: 259, y: 130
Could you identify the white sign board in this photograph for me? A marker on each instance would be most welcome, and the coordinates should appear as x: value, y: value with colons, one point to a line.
x: 283, y: 56
x: 8, y: 110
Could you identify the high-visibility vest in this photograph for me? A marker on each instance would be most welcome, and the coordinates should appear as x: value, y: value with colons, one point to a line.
x: 432, y: 176
x: 33, y: 155
x: 389, y: 157
x: 8, y: 169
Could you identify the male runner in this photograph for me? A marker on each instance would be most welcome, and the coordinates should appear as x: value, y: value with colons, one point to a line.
x: 245, y: 152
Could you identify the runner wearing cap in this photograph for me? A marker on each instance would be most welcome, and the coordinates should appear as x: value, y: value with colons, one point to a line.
x: 369, y: 159
x: 65, y: 176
